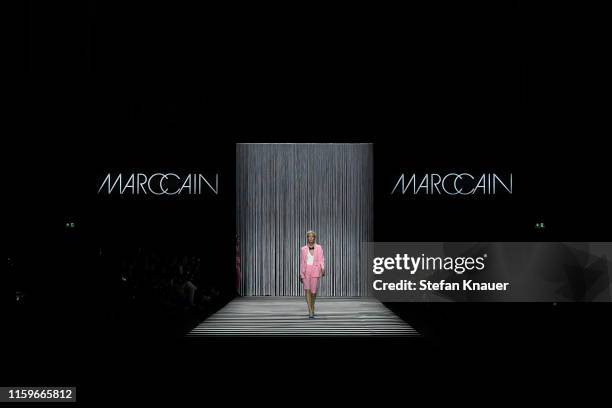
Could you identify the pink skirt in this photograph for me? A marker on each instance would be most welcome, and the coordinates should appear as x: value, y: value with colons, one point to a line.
x: 310, y: 283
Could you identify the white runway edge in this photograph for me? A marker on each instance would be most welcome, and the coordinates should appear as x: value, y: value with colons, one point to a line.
x: 288, y: 316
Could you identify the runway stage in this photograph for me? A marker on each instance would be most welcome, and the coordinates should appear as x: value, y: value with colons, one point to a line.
x: 287, y: 316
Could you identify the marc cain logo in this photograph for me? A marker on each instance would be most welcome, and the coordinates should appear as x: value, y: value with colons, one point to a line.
x: 159, y: 184
x: 454, y: 184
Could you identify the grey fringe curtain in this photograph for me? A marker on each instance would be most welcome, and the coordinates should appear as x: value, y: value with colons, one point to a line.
x: 284, y: 190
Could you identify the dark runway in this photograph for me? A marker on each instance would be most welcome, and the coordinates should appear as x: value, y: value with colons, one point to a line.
x: 287, y: 316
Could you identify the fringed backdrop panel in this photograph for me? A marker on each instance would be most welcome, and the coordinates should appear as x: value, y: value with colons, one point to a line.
x: 284, y: 190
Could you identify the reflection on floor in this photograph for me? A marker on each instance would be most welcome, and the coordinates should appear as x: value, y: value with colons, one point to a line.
x: 288, y: 316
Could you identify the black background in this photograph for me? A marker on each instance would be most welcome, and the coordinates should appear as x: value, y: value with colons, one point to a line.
x: 140, y: 87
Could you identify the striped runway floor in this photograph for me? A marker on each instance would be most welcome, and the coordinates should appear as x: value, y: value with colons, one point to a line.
x: 288, y: 316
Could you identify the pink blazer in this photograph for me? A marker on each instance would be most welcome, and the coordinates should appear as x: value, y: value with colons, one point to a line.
x: 319, y: 261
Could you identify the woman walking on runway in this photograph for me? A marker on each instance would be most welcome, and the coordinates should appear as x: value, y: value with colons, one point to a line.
x: 312, y: 267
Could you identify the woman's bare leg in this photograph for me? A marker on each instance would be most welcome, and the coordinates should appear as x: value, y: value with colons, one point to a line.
x: 308, y: 301
x: 313, y: 297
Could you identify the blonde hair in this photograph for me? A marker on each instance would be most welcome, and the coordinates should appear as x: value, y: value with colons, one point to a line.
x: 311, y: 232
